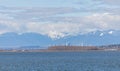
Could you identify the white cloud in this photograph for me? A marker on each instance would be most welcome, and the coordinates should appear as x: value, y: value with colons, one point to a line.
x: 57, y: 27
x: 112, y: 1
x: 54, y: 30
x: 105, y: 21
x: 92, y: 23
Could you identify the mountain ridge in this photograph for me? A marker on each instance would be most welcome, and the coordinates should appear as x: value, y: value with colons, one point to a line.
x: 33, y: 39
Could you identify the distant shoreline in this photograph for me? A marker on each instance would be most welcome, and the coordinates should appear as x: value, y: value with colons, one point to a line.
x: 65, y: 49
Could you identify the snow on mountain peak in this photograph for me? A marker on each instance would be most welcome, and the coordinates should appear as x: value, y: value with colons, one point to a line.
x: 101, y: 34
x: 56, y: 35
x: 110, y: 32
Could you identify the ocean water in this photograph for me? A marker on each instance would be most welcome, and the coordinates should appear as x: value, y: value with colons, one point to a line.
x: 60, y: 61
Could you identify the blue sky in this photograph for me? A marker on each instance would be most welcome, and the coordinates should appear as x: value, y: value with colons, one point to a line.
x: 38, y: 3
x: 47, y: 17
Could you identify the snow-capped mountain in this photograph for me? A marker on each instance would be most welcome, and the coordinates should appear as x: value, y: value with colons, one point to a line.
x: 33, y: 39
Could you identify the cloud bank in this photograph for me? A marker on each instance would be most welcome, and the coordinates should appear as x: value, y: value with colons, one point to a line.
x: 57, y: 22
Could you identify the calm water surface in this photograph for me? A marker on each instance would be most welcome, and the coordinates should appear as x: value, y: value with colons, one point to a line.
x: 60, y: 61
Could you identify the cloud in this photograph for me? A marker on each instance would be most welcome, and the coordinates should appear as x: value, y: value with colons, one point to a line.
x: 105, y: 21
x: 54, y: 22
x: 75, y: 26
x: 99, y: 6
x: 29, y: 13
x: 54, y: 30
x: 115, y: 2
x: 110, y: 2
x: 71, y: 26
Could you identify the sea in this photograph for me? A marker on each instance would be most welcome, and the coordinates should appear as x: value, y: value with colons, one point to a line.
x: 60, y: 61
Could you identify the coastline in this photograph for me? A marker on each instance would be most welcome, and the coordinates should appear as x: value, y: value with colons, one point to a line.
x: 63, y: 49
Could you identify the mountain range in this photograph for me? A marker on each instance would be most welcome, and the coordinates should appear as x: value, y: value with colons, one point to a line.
x: 98, y: 38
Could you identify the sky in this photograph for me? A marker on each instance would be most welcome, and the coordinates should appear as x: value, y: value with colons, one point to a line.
x: 59, y: 18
